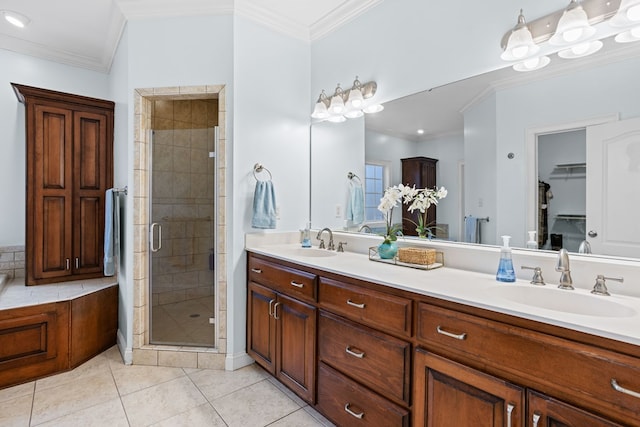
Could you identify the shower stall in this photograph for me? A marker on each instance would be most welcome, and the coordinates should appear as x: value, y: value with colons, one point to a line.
x: 182, y: 207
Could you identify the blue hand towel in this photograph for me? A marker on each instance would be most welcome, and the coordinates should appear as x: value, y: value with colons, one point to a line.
x: 470, y: 229
x: 355, y: 205
x: 264, y: 205
x: 109, y: 263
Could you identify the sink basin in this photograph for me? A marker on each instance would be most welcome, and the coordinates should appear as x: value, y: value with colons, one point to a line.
x: 312, y: 252
x: 564, y: 301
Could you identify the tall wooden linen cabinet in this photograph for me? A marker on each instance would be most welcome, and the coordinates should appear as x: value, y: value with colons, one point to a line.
x: 69, y: 168
x: 421, y: 172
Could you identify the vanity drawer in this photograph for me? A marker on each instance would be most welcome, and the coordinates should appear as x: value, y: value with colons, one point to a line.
x: 287, y: 280
x: 377, y: 309
x: 347, y: 403
x: 370, y: 357
x: 576, y: 372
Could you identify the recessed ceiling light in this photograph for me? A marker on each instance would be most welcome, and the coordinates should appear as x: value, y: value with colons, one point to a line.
x: 15, y: 18
x: 420, y: 131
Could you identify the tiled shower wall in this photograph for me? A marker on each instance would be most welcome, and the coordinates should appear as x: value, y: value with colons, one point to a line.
x: 12, y: 261
x: 183, y: 198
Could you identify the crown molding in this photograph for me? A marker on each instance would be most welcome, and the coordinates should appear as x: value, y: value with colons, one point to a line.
x: 251, y: 10
x: 340, y: 16
x: 140, y: 9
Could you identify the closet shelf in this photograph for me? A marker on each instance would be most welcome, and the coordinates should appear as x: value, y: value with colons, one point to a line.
x: 571, y: 217
x: 571, y: 165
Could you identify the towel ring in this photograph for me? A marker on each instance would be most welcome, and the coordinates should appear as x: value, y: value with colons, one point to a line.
x: 352, y: 175
x: 257, y: 168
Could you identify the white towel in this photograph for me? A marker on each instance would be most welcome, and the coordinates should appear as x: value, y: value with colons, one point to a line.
x: 471, y: 229
x: 355, y: 204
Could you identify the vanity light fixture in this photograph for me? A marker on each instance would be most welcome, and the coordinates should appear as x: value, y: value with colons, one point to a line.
x: 572, y: 32
x: 14, y: 18
x: 350, y: 103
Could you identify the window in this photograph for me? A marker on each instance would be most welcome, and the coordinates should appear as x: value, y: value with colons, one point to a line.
x: 374, y: 185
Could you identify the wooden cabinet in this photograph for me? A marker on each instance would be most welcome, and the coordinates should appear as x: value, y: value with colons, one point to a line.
x: 281, y: 330
x: 69, y: 168
x: 386, y: 356
x: 448, y: 394
x: 421, y: 172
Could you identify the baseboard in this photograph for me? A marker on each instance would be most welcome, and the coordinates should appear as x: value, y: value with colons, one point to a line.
x: 237, y: 361
x: 125, y: 352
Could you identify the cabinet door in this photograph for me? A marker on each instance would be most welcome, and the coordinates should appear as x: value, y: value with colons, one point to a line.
x: 296, y: 348
x: 261, y: 328
x: 448, y: 394
x: 421, y: 172
x: 545, y: 411
x: 90, y: 178
x: 50, y: 181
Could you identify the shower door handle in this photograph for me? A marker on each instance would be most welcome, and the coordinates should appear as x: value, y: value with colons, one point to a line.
x: 152, y: 239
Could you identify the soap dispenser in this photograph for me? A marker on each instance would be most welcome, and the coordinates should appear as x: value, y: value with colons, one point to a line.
x: 306, y: 236
x: 505, y: 268
x: 532, y: 243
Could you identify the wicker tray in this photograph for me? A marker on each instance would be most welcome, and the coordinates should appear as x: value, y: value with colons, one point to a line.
x: 374, y: 256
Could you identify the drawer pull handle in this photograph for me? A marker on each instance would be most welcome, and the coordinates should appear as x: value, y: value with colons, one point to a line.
x: 271, y: 307
x: 353, y: 414
x: 297, y: 285
x: 256, y: 270
x: 275, y: 311
x: 359, y: 355
x: 461, y: 336
x: 536, y: 419
x: 510, y: 408
x: 617, y: 387
x: 353, y: 304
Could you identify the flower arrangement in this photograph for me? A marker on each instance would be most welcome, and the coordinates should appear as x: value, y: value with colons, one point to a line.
x: 389, y: 200
x: 421, y: 200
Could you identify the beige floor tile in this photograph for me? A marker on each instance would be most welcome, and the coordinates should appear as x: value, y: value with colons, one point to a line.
x: 16, y: 412
x: 257, y: 405
x: 157, y: 403
x: 300, y: 418
x: 87, y: 391
x: 318, y: 416
x: 17, y: 391
x: 132, y: 378
x: 203, y: 415
x: 291, y: 395
x: 99, y: 364
x: 217, y: 383
x: 107, y: 414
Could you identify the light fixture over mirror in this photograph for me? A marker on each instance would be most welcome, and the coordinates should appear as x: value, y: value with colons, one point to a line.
x: 573, y: 32
x: 346, y: 104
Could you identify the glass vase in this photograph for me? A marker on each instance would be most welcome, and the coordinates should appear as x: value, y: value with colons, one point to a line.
x: 387, y: 250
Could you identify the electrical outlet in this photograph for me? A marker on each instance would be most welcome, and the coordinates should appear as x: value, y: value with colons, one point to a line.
x: 338, y: 211
x: 277, y: 212
x: 480, y: 202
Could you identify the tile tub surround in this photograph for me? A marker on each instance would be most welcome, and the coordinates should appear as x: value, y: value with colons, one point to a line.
x: 105, y: 392
x: 470, y: 287
x: 12, y: 261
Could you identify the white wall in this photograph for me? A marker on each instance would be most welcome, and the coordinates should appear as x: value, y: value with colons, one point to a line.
x: 336, y: 150
x: 389, y: 149
x: 271, y: 126
x: 30, y: 71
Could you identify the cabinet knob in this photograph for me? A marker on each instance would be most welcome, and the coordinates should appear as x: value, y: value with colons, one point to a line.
x: 592, y: 233
x: 535, y: 420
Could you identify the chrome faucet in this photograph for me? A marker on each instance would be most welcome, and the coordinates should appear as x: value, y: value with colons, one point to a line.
x: 365, y: 227
x: 331, y: 246
x: 563, y: 267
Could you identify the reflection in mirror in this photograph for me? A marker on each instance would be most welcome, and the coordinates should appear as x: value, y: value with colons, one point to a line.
x: 495, y: 136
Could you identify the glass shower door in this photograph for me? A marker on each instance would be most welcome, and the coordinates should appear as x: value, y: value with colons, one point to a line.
x: 182, y: 237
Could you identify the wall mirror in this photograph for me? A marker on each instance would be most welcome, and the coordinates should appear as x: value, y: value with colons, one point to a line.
x: 496, y: 136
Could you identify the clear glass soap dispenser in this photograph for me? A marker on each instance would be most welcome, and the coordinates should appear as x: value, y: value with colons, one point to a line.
x: 306, y: 236
x: 506, y: 273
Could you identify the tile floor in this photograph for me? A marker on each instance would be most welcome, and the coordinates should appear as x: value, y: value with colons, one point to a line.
x: 184, y: 323
x: 105, y: 392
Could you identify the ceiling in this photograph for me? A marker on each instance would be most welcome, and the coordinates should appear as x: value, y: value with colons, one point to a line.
x: 85, y: 33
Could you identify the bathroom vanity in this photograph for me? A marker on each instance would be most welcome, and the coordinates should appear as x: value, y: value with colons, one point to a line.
x: 372, y: 344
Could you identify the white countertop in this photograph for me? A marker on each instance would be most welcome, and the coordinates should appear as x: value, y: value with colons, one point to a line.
x: 15, y: 294
x: 471, y: 288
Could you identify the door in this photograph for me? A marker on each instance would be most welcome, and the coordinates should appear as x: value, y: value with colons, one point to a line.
x: 613, y: 171
x: 448, y: 394
x: 261, y: 327
x: 182, y: 232
x: 296, y: 345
